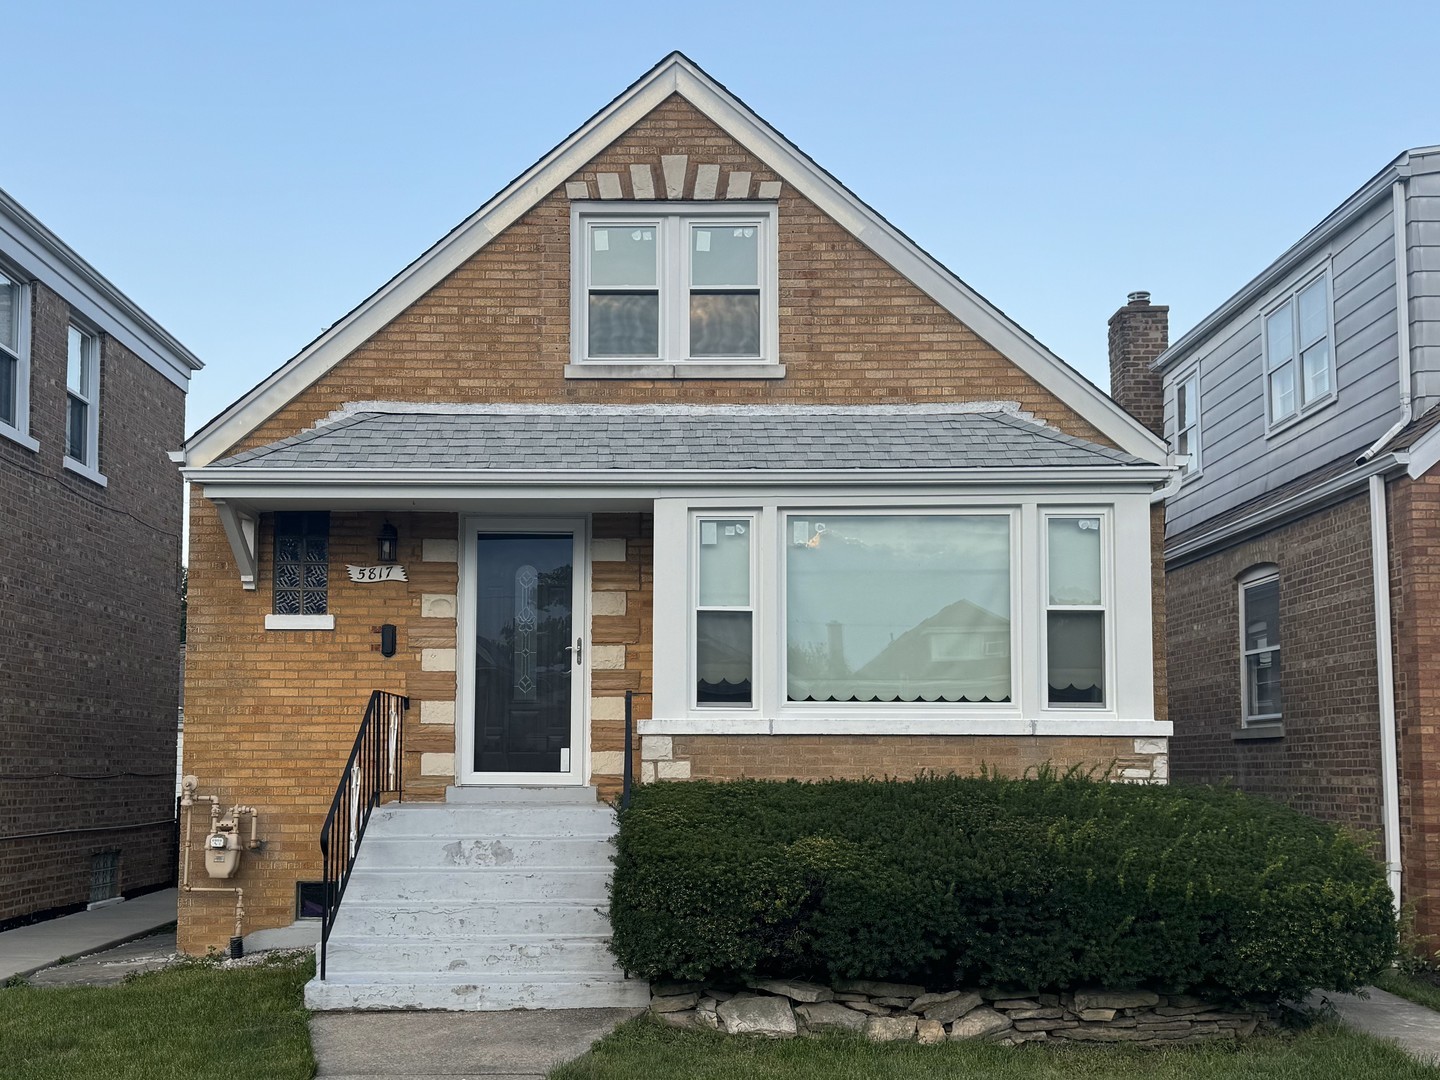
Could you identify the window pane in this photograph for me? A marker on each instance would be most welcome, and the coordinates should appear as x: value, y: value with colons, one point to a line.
x: 1315, y: 369
x: 1279, y: 337
x: 1074, y: 561
x: 9, y: 313
x: 1262, y: 615
x: 302, y: 569
x: 624, y: 324
x: 1282, y: 392
x: 1262, y: 684
x: 1312, y: 313
x: 725, y: 257
x: 898, y: 608
x: 724, y: 324
x: 77, y: 370
x: 1076, y: 647
x: 1182, y: 406
x: 623, y: 255
x: 1182, y: 446
x: 724, y: 564
x: 722, y: 657
x: 77, y: 429
x: 8, y: 374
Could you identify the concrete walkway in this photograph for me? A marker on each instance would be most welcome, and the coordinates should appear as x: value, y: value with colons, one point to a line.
x: 29, y: 948
x: 435, y: 1045
x: 1414, y: 1027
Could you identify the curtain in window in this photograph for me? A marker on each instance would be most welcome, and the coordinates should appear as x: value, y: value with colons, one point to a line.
x: 887, y: 608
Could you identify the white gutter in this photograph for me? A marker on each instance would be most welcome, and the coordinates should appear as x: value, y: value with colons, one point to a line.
x: 1389, y: 766
x: 1402, y: 320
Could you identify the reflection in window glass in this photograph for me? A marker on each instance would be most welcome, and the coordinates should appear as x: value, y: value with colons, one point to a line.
x: 886, y: 608
x: 1260, y: 622
x: 724, y: 620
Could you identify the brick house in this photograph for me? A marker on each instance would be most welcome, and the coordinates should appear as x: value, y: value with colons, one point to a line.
x: 674, y: 413
x: 92, y: 398
x: 1299, y: 543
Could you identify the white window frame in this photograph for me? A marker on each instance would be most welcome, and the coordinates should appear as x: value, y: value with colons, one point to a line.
x: 1188, y: 389
x: 19, y: 431
x: 1303, y: 409
x: 697, y: 521
x: 672, y: 222
x: 1106, y: 607
x: 1263, y: 575
x: 1129, y: 709
x: 89, y: 466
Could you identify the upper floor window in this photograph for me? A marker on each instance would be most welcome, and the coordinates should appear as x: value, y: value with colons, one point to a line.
x: 656, y: 284
x: 1299, y: 362
x: 302, y: 562
x: 82, y: 389
x: 14, y: 359
x: 1260, y: 646
x: 1187, y: 422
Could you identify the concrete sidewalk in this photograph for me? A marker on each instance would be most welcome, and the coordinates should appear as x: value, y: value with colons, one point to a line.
x: 1414, y: 1027
x: 516, y: 1045
x: 29, y: 948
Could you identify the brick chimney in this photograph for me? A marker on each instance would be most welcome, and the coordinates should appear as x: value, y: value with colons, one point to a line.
x: 1139, y: 332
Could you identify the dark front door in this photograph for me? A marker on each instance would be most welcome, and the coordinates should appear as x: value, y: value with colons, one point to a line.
x: 524, y: 652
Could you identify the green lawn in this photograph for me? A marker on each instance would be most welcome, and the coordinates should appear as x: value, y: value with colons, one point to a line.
x: 1420, y: 991
x: 196, y: 1020
x: 643, y: 1049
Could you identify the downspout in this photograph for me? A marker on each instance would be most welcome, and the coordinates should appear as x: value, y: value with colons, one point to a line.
x: 1389, y: 766
x: 1402, y: 320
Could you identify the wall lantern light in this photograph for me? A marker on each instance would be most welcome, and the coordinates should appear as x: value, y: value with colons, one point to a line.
x: 389, y: 539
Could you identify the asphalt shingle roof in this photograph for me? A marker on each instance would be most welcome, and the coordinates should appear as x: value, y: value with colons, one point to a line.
x: 656, y: 438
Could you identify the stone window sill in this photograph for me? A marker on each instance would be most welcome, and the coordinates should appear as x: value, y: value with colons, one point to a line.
x: 900, y: 726
x: 1257, y: 732
x: 690, y: 369
x: 15, y: 435
x: 299, y: 622
x: 79, y: 468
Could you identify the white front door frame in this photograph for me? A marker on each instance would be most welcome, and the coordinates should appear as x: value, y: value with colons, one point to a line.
x: 579, y: 771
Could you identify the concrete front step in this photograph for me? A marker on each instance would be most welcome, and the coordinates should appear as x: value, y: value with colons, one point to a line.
x: 389, y: 851
x: 494, y: 885
x: 460, y: 921
x: 528, y: 796
x: 375, y: 990
x: 570, y: 957
x: 490, y: 822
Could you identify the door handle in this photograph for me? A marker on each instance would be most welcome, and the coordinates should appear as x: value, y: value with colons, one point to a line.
x: 575, y: 652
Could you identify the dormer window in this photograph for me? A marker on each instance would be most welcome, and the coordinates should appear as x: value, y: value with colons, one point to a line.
x: 1299, y: 362
x: 674, y: 284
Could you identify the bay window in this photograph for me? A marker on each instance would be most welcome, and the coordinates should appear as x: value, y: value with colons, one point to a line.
x: 1075, y: 611
x: 724, y: 612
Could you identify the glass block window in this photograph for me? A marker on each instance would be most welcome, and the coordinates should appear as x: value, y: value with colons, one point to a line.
x: 302, y: 562
x: 104, y: 876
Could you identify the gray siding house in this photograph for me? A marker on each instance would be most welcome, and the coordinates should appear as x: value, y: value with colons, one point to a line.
x: 1299, y: 544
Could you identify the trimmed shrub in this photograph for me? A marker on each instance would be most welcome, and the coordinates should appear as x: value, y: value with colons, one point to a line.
x: 1040, y: 884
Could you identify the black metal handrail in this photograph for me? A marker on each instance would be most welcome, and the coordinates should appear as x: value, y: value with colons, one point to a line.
x: 373, y: 770
x: 630, y: 696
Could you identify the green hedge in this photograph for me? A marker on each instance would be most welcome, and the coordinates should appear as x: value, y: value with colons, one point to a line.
x: 1035, y: 884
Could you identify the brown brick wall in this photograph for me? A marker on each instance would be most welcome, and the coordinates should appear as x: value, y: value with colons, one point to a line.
x: 90, y: 614
x: 1139, y: 332
x: 1327, y: 763
x: 621, y: 632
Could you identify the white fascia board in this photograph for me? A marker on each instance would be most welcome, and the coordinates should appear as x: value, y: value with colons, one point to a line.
x: 675, y: 74
x: 36, y: 251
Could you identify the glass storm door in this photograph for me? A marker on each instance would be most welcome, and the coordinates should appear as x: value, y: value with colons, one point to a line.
x: 525, y: 688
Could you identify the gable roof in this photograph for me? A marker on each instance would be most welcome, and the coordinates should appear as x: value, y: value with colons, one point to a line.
x: 676, y: 74
x: 373, y: 437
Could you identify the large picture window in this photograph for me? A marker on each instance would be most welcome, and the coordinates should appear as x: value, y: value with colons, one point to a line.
x: 897, y: 608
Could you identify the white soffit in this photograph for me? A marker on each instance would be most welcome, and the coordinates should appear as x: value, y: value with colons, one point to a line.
x: 676, y: 74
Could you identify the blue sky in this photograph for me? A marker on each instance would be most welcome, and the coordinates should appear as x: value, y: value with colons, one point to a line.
x: 248, y: 173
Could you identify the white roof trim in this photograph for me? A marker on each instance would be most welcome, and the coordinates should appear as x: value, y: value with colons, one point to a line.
x: 499, y: 408
x: 675, y: 74
x: 34, y: 250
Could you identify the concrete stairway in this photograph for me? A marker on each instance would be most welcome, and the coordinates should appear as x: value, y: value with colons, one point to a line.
x: 495, y: 899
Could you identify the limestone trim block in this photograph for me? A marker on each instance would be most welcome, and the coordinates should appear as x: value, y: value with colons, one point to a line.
x: 656, y: 748
x: 647, y: 772
x: 607, y: 708
x: 577, y: 189
x: 607, y: 550
x: 672, y: 770
x: 607, y: 762
x: 607, y: 657
x: 437, y: 605
x: 439, y: 551
x: 437, y: 659
x: 437, y: 712
x: 1152, y: 746
x: 607, y: 603
x: 437, y: 764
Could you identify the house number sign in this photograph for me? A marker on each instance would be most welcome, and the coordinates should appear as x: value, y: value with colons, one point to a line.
x: 377, y: 573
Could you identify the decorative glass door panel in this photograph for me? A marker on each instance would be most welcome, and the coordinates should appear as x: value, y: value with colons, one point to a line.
x: 524, y: 652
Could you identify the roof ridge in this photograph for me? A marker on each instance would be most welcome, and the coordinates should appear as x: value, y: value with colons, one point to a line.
x: 503, y: 408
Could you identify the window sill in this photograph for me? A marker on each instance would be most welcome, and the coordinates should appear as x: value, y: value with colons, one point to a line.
x: 299, y: 622
x: 689, y: 369
x: 1308, y: 413
x: 79, y: 468
x: 897, y: 725
x: 15, y: 435
x: 1257, y: 732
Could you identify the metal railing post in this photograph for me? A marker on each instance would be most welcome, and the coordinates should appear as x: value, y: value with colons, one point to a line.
x: 629, y: 749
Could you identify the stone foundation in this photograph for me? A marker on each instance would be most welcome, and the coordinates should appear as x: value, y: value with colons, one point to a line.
x: 899, y: 1012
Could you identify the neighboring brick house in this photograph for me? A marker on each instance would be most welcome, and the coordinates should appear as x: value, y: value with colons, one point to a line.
x: 92, y: 400
x: 1301, y: 543
x: 673, y: 413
